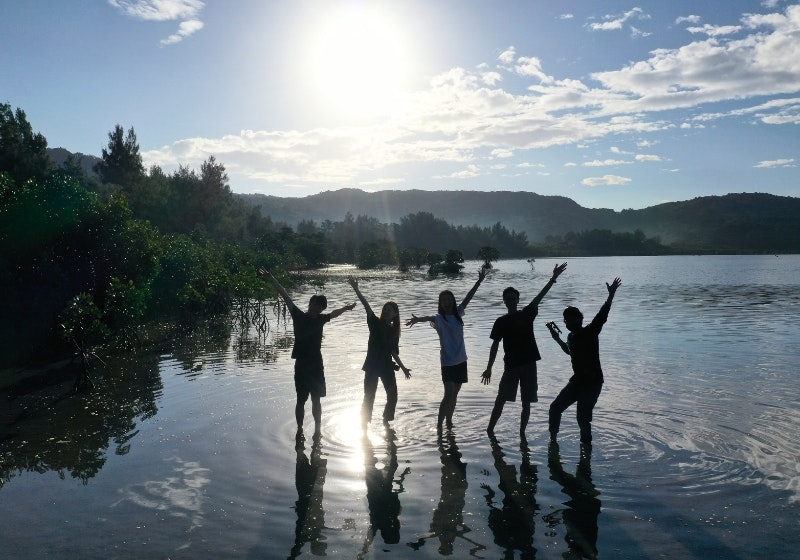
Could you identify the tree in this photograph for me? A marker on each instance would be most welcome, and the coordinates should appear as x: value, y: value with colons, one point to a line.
x: 488, y: 254
x: 122, y: 163
x: 23, y: 154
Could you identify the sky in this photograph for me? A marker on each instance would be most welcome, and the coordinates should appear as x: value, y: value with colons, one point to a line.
x: 614, y: 104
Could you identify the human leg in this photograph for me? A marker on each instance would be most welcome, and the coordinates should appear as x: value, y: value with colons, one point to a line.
x: 390, y: 384
x: 529, y: 392
x: 300, y: 408
x: 497, y: 410
x: 370, y: 388
x: 587, y: 398
x: 444, y: 406
x: 524, y: 417
x: 452, y: 406
x: 562, y: 402
x: 316, y: 412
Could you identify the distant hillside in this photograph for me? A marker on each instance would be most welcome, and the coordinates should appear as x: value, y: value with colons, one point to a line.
x: 60, y: 155
x: 734, y: 223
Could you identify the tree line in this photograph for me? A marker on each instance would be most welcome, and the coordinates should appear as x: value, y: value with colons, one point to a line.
x: 91, y: 258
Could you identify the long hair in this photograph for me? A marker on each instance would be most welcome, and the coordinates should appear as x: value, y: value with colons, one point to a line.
x: 396, y: 323
x: 448, y: 293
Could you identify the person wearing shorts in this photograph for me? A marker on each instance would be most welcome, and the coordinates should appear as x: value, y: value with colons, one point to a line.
x: 449, y: 326
x: 309, y: 372
x: 515, y: 329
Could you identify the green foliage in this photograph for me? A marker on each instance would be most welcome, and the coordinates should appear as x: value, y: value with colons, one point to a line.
x: 23, y: 153
x: 602, y: 243
x: 450, y: 265
x: 36, y: 215
x: 488, y: 255
x: 122, y: 163
x: 82, y: 322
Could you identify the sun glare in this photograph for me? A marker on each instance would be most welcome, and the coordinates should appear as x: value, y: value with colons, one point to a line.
x: 357, y: 63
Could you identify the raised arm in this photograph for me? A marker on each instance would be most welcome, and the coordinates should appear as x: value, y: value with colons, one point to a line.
x: 554, y: 331
x: 612, y: 289
x: 468, y: 297
x: 354, y: 283
x: 414, y: 320
x: 557, y: 270
x: 336, y: 312
x: 267, y: 275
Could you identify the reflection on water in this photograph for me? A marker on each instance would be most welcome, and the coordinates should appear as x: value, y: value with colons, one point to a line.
x: 382, y: 497
x: 190, y: 452
x: 579, y: 517
x: 52, y: 428
x: 513, y: 524
x: 309, y: 477
x: 447, y: 524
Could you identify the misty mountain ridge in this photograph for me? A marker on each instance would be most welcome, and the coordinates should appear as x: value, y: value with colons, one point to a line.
x: 732, y: 223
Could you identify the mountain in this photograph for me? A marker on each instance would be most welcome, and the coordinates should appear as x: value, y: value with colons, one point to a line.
x: 733, y: 223
x: 60, y: 155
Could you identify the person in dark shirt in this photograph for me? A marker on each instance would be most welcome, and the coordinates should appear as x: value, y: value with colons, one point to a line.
x: 515, y: 329
x: 583, y: 347
x: 309, y: 373
x: 383, y: 352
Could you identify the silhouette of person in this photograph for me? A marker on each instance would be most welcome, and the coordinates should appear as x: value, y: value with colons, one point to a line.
x: 582, y: 508
x: 309, y: 476
x: 383, y: 499
x: 382, y: 348
x: 583, y: 347
x: 448, y: 517
x: 447, y: 523
x: 515, y: 329
x: 453, y: 354
x: 309, y: 372
x: 513, y: 525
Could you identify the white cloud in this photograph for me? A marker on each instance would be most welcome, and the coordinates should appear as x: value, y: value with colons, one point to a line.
x: 165, y: 10
x: 715, y: 30
x: 185, y: 29
x: 566, y: 16
x: 688, y: 19
x: 464, y: 117
x: 605, y: 181
x: 617, y: 22
x: 605, y: 163
x: 788, y: 162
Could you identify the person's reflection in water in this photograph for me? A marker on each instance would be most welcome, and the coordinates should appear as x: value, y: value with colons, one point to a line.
x: 583, y: 507
x: 309, y: 480
x: 448, y: 518
x: 513, y: 525
x: 383, y: 499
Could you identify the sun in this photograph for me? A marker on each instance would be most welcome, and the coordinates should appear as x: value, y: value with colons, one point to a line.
x: 357, y: 63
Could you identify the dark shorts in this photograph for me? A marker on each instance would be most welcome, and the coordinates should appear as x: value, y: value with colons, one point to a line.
x: 524, y: 377
x: 455, y: 374
x: 309, y: 378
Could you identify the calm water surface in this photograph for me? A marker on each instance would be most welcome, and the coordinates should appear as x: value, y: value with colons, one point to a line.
x: 192, y: 454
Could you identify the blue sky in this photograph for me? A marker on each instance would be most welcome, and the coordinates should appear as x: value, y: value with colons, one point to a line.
x: 613, y: 104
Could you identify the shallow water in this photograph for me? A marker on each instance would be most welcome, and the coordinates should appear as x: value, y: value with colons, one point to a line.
x: 192, y: 454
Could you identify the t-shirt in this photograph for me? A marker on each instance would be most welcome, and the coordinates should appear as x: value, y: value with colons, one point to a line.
x: 451, y: 338
x: 516, y: 331
x: 382, y: 343
x: 584, y: 350
x: 307, y: 334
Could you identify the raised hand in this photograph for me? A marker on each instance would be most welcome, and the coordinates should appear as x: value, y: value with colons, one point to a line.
x: 612, y: 288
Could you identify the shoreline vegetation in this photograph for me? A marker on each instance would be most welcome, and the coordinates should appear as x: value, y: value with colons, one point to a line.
x: 87, y: 260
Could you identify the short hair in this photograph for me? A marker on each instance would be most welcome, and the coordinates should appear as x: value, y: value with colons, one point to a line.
x: 510, y: 291
x: 573, y: 312
x: 319, y: 299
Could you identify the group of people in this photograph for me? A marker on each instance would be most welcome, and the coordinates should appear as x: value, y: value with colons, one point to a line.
x: 514, y: 329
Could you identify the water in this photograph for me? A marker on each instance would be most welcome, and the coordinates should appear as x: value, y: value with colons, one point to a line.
x: 191, y: 453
